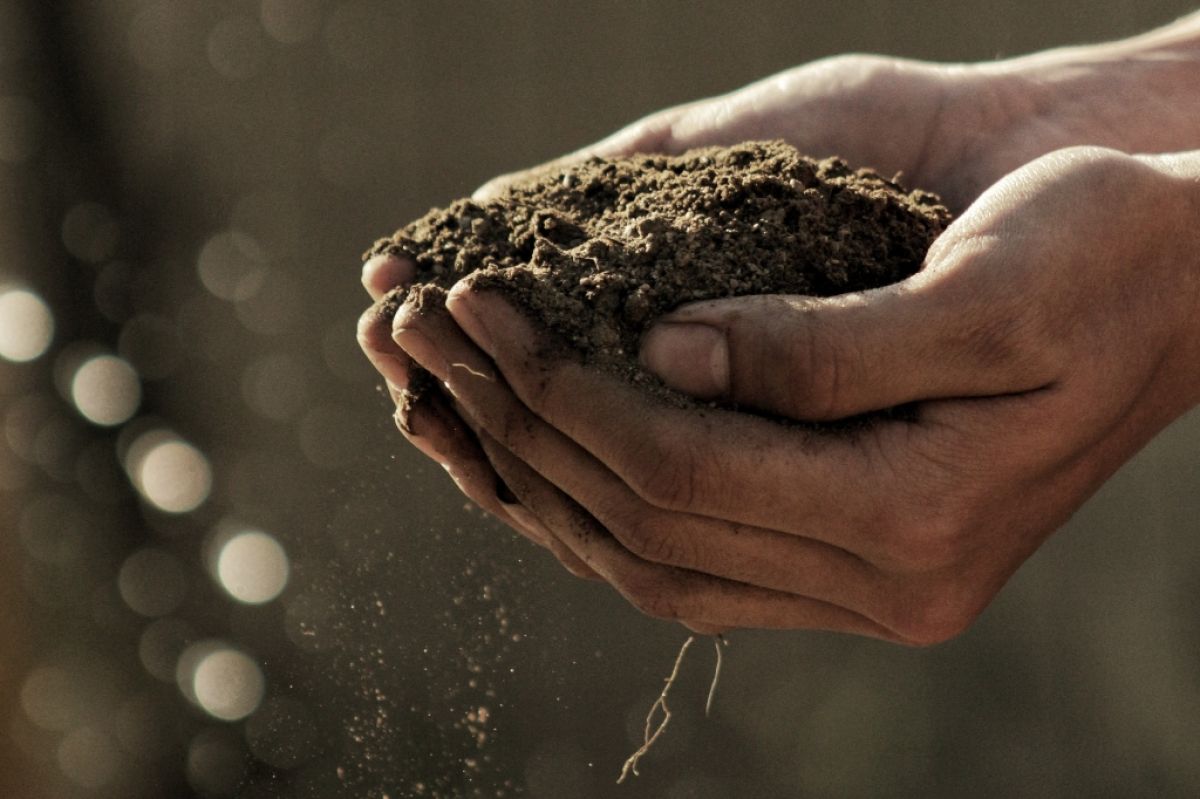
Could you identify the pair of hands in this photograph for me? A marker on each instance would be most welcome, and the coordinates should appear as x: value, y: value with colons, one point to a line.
x: 1048, y: 337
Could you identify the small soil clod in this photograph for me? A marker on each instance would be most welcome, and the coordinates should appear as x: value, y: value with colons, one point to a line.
x: 597, y: 251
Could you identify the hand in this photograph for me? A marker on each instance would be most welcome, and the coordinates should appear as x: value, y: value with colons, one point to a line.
x: 1049, y: 336
x: 957, y: 128
x: 942, y: 117
x: 954, y: 129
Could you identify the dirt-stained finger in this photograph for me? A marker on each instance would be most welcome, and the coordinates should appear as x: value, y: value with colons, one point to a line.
x: 663, y: 591
x: 428, y: 420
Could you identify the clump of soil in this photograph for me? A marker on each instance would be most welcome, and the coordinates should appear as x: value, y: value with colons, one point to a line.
x: 595, y: 252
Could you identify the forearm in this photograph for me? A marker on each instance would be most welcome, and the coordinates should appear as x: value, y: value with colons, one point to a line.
x: 1138, y: 95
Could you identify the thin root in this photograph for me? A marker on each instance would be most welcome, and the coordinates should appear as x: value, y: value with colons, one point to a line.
x: 482, y: 375
x: 718, y: 642
x: 648, y: 737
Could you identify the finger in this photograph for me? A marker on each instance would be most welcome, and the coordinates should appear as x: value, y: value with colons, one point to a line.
x: 561, y: 551
x: 946, y: 333
x: 739, y: 552
x: 668, y: 592
x: 523, y: 478
x: 375, y: 340
x: 438, y: 429
x: 382, y: 273
x: 710, y: 462
x: 430, y: 423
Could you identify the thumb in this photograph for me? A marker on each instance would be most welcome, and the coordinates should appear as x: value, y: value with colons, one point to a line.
x: 830, y: 358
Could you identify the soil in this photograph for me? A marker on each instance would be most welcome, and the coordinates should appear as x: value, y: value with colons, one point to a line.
x: 597, y: 251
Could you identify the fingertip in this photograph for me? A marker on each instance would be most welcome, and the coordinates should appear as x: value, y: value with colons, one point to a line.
x: 375, y: 341
x: 469, y: 308
x: 384, y: 272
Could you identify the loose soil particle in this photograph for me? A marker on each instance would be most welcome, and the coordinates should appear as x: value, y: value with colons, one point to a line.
x: 595, y: 252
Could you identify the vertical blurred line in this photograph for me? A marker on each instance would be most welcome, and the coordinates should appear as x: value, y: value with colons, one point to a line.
x: 75, y: 162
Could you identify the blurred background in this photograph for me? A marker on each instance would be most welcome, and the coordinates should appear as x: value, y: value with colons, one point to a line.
x: 223, y: 573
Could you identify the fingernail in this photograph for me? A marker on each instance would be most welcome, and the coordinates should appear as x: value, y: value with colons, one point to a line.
x: 422, y: 350
x: 689, y: 357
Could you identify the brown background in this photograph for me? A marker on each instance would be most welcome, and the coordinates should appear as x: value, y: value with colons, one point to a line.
x: 316, y: 126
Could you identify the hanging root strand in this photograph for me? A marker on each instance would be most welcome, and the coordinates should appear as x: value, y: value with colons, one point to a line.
x: 651, y: 733
x: 718, y: 642
x: 649, y: 738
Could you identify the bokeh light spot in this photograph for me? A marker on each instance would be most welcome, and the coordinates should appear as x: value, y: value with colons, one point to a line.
x: 106, y: 390
x: 162, y: 643
x: 90, y: 232
x: 353, y: 35
x: 152, y: 344
x: 48, y: 698
x: 232, y: 266
x: 53, y: 529
x: 152, y: 582
x: 290, y: 21
x: 217, y: 762
x: 169, y: 473
x: 332, y: 436
x: 159, y: 34
x: 275, y: 387
x: 89, y: 758
x: 26, y: 325
x: 235, y: 47
x: 253, y: 567
x: 226, y: 683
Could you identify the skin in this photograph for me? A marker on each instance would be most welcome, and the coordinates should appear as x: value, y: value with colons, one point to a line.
x: 1050, y: 334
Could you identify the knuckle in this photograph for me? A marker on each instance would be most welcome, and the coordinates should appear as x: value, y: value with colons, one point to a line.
x: 819, y: 360
x: 646, y: 537
x: 937, y: 614
x: 662, y: 473
x: 933, y: 538
x: 1010, y: 336
x: 667, y: 484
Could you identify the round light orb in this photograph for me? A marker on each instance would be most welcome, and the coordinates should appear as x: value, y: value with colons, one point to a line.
x: 253, y: 567
x: 106, y: 390
x: 26, y: 325
x: 227, y: 684
x: 170, y: 474
x: 152, y: 582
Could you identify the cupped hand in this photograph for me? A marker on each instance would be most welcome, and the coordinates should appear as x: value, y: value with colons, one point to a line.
x: 949, y: 125
x: 954, y: 129
x: 1049, y: 336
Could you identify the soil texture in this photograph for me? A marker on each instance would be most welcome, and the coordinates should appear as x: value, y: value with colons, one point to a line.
x: 595, y: 252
